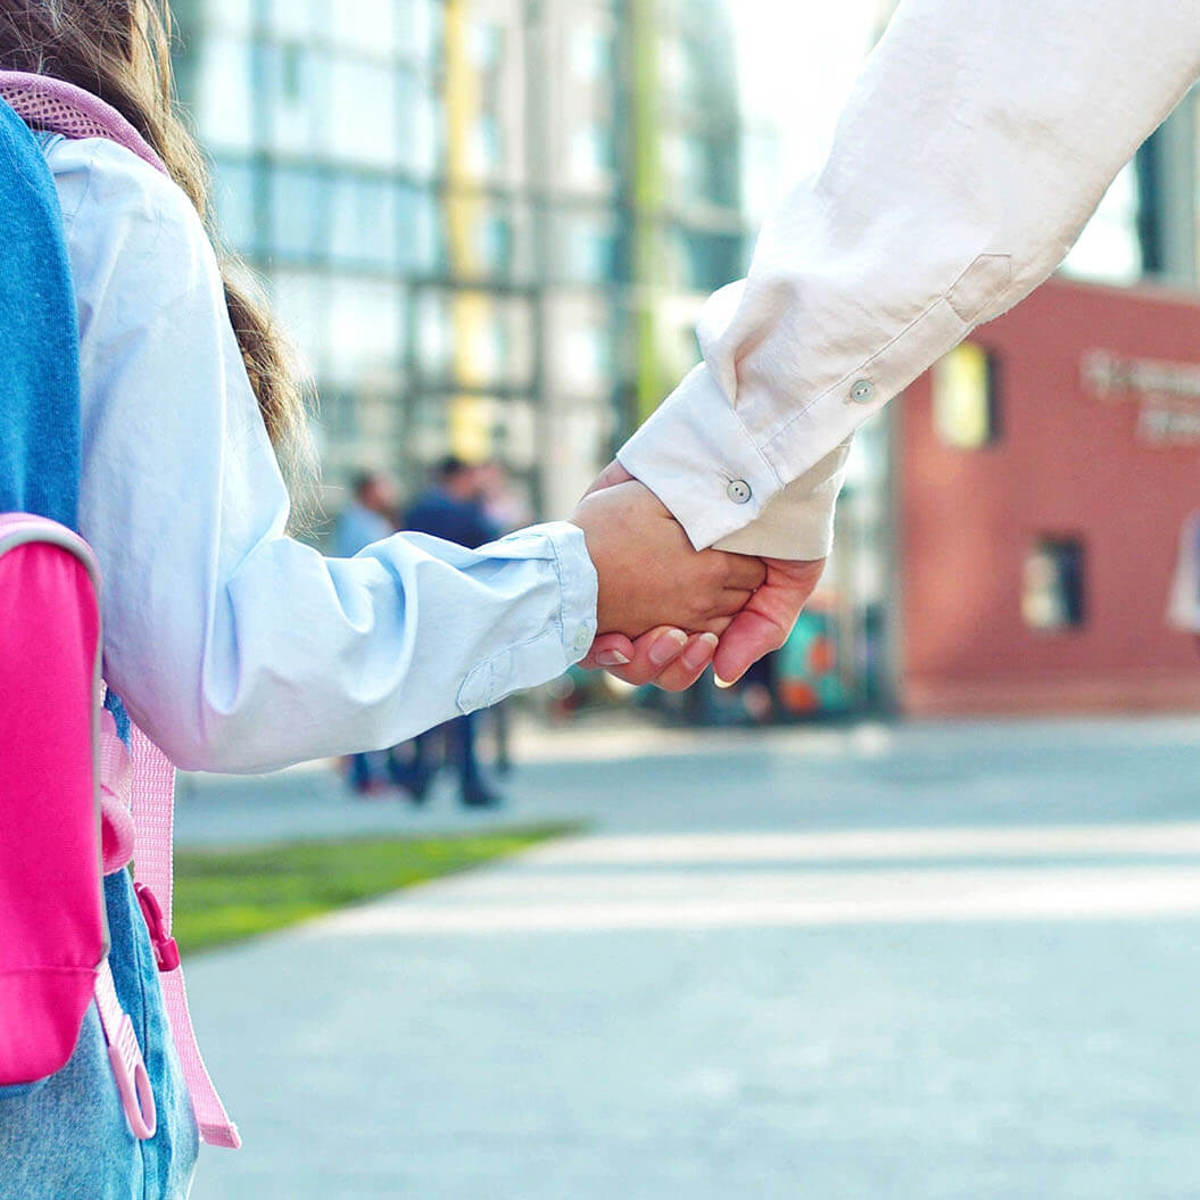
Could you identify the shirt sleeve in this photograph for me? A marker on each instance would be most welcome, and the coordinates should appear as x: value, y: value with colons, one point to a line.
x: 975, y: 145
x: 236, y: 647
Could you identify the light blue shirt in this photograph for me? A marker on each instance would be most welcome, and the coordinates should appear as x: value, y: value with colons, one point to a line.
x: 236, y: 647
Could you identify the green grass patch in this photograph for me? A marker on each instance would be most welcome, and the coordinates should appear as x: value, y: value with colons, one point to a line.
x: 224, y: 895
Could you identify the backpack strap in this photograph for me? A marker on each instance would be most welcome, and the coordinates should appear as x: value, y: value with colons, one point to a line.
x: 39, y: 340
x: 153, y: 819
x: 62, y: 108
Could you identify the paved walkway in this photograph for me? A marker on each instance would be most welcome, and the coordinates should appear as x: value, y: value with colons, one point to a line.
x: 940, y: 961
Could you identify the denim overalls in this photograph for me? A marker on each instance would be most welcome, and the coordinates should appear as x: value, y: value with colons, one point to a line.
x: 65, y: 1137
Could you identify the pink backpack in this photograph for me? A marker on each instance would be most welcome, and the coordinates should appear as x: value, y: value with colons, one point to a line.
x: 77, y: 801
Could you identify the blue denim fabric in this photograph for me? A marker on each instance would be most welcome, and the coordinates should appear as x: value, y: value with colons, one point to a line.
x: 39, y: 338
x: 66, y: 1136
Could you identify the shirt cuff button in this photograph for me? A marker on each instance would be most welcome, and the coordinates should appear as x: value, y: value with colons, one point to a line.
x: 862, y: 392
x: 582, y: 641
x: 738, y: 491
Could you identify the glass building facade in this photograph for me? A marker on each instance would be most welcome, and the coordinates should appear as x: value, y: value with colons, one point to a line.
x: 488, y: 224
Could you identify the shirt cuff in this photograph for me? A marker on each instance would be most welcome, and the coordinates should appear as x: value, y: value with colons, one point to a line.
x: 798, y: 523
x: 569, y: 631
x: 698, y: 458
x: 578, y: 585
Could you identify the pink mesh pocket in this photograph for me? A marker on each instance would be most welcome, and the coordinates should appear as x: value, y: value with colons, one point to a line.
x: 59, y: 107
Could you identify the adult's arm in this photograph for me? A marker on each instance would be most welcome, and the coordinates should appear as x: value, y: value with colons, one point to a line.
x: 977, y: 142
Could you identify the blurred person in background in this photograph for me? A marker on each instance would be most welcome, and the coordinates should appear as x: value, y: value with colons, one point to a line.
x: 760, y: 690
x: 453, y: 509
x: 506, y: 508
x: 370, y: 517
x: 504, y: 504
x: 1183, y: 611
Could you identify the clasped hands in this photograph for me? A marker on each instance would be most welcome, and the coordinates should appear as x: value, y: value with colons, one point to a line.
x: 665, y: 610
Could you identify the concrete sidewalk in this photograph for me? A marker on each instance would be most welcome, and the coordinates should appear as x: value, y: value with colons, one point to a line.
x: 944, y: 961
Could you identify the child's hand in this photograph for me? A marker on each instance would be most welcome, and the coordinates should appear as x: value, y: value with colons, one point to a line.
x: 650, y: 574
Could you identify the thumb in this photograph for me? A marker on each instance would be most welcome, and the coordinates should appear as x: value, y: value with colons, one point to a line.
x: 767, y: 620
x: 749, y: 637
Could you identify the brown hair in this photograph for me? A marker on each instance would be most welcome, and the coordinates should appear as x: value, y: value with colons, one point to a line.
x: 119, y: 50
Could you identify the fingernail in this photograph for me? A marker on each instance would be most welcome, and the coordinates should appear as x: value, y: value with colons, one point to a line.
x: 667, y: 647
x: 699, y: 652
x: 611, y: 658
x: 723, y: 683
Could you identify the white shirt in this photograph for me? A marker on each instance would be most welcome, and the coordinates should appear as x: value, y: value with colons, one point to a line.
x: 977, y: 142
x: 234, y: 646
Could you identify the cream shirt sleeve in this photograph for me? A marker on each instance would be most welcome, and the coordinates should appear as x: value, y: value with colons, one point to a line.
x: 236, y: 647
x: 977, y: 142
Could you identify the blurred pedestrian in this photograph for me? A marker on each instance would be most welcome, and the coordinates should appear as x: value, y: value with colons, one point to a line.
x: 369, y: 517
x: 506, y: 508
x: 504, y: 504
x: 453, y: 509
x: 1183, y: 612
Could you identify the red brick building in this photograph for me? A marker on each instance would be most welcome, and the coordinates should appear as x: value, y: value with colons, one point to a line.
x: 1043, y: 475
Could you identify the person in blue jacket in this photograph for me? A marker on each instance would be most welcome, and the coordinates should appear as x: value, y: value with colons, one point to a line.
x: 453, y: 509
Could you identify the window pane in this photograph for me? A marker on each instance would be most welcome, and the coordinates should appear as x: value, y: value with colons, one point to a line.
x: 225, y: 104
x: 418, y: 148
x: 362, y: 112
x: 593, y: 54
x: 296, y: 213
x: 233, y: 191
x: 296, y: 82
x: 366, y: 330
x: 490, y: 339
x: 708, y: 261
x: 965, y: 407
x: 433, y: 348
x: 299, y: 299
x: 364, y: 222
x: 300, y: 19
x: 1052, y: 597
x: 232, y: 15
x: 589, y: 247
x: 417, y: 28
x: 366, y: 25
x: 418, y: 233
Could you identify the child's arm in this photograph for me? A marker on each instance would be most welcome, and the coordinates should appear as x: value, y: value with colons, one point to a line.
x: 236, y: 647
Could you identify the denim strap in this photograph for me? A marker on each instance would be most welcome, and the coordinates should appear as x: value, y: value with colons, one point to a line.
x: 39, y: 341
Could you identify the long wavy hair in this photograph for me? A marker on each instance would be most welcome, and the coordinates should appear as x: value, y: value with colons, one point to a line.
x: 120, y: 50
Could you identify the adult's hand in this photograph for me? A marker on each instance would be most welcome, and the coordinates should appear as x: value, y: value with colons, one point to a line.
x: 767, y: 619
x: 648, y: 571
x: 672, y: 660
